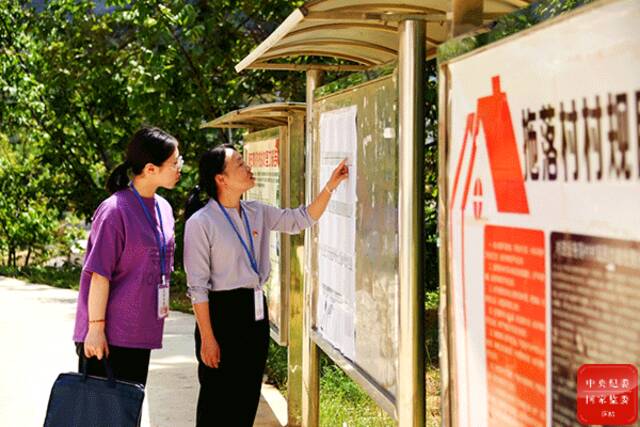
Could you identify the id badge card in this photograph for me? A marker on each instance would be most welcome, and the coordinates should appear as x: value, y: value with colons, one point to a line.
x: 258, y: 300
x: 163, y: 299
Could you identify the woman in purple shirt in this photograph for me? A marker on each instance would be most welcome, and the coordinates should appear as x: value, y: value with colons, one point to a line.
x: 124, y: 284
x: 226, y: 258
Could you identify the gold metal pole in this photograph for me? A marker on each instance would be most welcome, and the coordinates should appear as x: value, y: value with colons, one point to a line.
x: 310, y: 355
x: 296, y: 257
x: 411, y: 83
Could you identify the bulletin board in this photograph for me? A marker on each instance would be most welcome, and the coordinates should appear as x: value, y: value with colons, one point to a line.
x: 541, y: 196
x: 264, y: 151
x: 355, y: 245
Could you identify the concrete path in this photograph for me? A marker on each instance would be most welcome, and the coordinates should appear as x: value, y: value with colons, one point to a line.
x: 36, y: 324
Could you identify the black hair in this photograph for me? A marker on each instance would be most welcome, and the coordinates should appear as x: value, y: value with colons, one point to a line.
x: 148, y: 145
x: 211, y: 164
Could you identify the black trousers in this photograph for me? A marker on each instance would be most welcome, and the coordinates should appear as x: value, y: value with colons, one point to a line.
x: 229, y: 395
x: 127, y: 364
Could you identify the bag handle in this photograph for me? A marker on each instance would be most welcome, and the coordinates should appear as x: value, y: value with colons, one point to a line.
x: 107, y: 367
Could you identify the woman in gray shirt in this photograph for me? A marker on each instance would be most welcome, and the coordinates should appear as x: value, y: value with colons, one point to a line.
x: 226, y: 258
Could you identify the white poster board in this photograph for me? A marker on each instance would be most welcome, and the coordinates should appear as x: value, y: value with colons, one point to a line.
x: 543, y: 185
x: 337, y: 233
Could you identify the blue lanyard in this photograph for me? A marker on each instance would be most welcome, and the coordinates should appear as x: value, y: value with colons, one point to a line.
x: 250, y: 254
x: 162, y: 245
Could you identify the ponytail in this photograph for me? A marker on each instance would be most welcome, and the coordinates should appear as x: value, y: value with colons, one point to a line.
x: 119, y: 178
x: 193, y: 203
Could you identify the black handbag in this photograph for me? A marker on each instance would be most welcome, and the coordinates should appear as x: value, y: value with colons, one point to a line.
x: 81, y: 400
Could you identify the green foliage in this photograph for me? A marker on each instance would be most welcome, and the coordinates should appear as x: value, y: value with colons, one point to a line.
x: 431, y: 270
x: 342, y: 401
x: 507, y: 25
x: 27, y: 219
x: 528, y: 17
x: 276, y: 369
x: 66, y: 238
x: 432, y: 300
x: 77, y: 81
x: 338, y: 83
x: 67, y: 276
x: 179, y: 300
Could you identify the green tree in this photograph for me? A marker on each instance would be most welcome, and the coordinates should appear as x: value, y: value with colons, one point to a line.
x: 78, y: 79
x: 27, y: 219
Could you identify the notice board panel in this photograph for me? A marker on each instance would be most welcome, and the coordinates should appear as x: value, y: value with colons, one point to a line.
x: 355, y: 245
x: 542, y: 196
x: 265, y: 152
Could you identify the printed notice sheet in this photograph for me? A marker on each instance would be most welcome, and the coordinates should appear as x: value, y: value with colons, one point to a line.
x: 337, y: 232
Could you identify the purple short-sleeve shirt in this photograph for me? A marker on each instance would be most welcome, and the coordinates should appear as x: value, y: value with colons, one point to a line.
x: 122, y: 247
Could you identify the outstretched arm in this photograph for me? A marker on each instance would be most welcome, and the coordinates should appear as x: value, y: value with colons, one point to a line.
x: 319, y: 205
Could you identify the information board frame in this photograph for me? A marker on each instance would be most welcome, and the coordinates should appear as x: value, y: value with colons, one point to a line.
x: 279, y: 282
x: 453, y: 184
x: 378, y: 129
